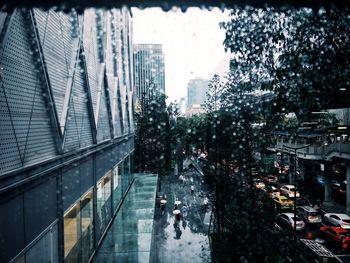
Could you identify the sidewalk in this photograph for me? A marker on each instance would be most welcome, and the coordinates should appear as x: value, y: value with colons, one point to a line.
x: 129, y: 237
x: 187, y: 241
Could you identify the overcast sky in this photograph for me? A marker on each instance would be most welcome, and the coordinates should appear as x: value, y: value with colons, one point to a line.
x: 192, y: 44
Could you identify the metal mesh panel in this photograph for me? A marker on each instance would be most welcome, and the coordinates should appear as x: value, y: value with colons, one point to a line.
x: 119, y: 118
x: 103, y: 128
x: 112, y: 82
x: 24, y: 117
x: 78, y: 127
x: 131, y: 112
x: 90, y: 49
x: 57, y: 48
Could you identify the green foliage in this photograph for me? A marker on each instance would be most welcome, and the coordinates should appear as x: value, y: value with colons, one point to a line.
x: 300, y: 54
x: 152, y: 143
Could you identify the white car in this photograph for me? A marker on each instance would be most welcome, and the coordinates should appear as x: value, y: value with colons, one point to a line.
x: 287, y: 220
x: 288, y: 190
x: 336, y: 219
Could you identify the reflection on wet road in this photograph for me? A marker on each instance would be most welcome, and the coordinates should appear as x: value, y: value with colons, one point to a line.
x: 185, y: 240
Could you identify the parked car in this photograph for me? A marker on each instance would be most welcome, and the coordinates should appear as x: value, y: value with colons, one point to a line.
x: 303, y: 201
x: 283, y: 202
x: 309, y: 214
x: 259, y: 184
x: 287, y: 220
x: 336, y: 234
x: 337, y: 219
x: 272, y: 191
x: 270, y: 179
x: 288, y: 190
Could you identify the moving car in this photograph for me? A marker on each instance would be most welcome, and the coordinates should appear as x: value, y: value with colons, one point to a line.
x: 337, y: 219
x: 288, y: 190
x: 287, y: 220
x: 309, y: 214
x: 283, y: 202
x: 336, y: 234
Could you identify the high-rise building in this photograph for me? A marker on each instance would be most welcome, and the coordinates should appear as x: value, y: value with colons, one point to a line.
x: 197, y: 90
x: 149, y: 71
x: 182, y: 106
x: 67, y: 136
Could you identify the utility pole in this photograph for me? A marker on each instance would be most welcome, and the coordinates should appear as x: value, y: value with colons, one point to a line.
x: 295, y: 176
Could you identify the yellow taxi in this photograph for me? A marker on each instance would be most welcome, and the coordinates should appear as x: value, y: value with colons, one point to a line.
x: 283, y: 202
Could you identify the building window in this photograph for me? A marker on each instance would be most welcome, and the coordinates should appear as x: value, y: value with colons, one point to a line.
x: 87, y: 225
x: 117, y: 186
x: 78, y: 230
x: 72, y: 233
x: 104, y: 188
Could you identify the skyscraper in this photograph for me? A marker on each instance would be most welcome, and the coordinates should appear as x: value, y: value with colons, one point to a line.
x: 197, y: 90
x: 149, y: 71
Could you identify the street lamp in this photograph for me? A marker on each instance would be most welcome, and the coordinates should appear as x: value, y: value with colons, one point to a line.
x: 295, y: 176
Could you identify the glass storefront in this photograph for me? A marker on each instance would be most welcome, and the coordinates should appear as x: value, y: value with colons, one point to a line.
x: 72, y: 233
x: 79, y: 227
x: 103, y: 195
x: 87, y: 225
x: 117, y: 185
x: 78, y: 230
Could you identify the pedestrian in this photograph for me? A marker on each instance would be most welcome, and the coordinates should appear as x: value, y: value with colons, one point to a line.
x: 184, y: 210
x: 163, y: 202
x: 205, y: 201
x: 181, y: 178
x: 192, y: 189
x: 178, y: 217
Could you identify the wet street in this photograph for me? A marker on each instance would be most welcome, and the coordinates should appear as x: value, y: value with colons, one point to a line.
x: 187, y: 239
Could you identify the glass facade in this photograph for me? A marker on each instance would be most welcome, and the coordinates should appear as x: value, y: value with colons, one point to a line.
x: 72, y: 233
x: 87, y: 227
x: 117, y: 185
x: 103, y: 199
x: 79, y: 228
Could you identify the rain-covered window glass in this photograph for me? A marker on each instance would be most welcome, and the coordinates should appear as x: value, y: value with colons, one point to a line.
x: 72, y: 233
x: 104, y: 201
x: 117, y: 186
x: 195, y: 133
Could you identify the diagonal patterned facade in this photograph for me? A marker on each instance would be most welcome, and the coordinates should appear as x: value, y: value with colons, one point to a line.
x: 67, y: 131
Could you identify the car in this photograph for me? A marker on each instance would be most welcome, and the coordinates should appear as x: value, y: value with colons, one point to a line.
x: 270, y: 179
x: 272, y: 191
x: 303, y: 201
x: 338, y: 219
x: 283, y: 202
x: 287, y: 220
x: 259, y: 184
x: 288, y: 190
x: 336, y: 234
x: 309, y: 214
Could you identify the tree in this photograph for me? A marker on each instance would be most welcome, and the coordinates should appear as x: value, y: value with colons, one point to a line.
x: 299, y: 54
x: 152, y: 144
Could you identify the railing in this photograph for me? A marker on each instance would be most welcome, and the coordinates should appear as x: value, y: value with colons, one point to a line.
x: 320, y: 151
